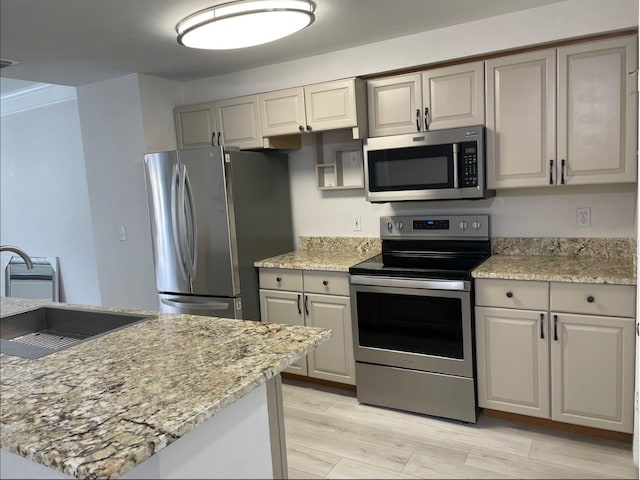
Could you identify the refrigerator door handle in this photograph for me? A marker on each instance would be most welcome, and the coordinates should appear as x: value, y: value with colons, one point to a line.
x: 196, y: 306
x: 175, y: 225
x: 191, y: 229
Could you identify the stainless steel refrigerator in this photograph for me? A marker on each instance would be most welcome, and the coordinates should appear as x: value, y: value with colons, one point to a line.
x: 213, y: 212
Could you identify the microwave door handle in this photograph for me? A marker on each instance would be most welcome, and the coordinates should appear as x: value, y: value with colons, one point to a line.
x: 456, y: 149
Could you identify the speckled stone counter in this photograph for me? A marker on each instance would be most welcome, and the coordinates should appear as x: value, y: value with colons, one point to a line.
x: 98, y: 409
x: 325, y: 253
x: 578, y: 260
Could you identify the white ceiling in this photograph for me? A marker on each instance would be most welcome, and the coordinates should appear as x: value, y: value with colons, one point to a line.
x: 74, y: 42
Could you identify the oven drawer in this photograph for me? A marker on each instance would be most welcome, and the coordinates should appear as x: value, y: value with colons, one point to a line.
x: 593, y: 299
x: 281, y: 279
x: 522, y: 294
x: 330, y: 283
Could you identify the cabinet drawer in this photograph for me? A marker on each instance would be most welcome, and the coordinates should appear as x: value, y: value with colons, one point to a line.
x: 593, y: 299
x: 522, y: 294
x: 332, y: 283
x: 281, y: 279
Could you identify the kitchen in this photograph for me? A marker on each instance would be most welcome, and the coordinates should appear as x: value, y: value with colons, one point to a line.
x: 134, y: 114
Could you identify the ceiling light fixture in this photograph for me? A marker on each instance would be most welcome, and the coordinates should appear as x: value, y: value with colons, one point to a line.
x: 244, y: 23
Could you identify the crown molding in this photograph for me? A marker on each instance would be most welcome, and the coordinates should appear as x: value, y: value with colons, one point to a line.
x: 37, y: 96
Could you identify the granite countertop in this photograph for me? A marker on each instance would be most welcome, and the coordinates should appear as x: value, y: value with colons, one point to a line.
x: 577, y: 260
x: 558, y: 269
x: 100, y: 408
x: 335, y: 254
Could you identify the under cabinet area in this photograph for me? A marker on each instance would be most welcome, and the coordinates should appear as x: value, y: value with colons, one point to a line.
x: 315, y: 299
x: 446, y: 97
x: 563, y: 351
x: 565, y: 116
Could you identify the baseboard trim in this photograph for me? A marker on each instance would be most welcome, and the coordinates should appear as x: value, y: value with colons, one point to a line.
x: 318, y: 381
x: 566, y: 427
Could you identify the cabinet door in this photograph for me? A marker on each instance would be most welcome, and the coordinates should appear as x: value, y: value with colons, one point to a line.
x: 512, y: 352
x: 286, y: 308
x: 332, y: 360
x: 195, y: 125
x: 395, y: 105
x: 282, y: 112
x: 521, y: 128
x: 592, y: 371
x: 597, y: 111
x: 454, y: 96
x: 239, y: 122
x: 331, y: 105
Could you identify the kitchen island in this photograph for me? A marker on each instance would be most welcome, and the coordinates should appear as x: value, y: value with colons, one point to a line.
x: 173, y: 395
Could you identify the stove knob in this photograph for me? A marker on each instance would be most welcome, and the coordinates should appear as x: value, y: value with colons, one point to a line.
x: 400, y: 225
x: 462, y: 225
x: 389, y: 226
x: 476, y: 225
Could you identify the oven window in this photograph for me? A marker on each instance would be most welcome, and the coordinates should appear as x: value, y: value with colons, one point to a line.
x: 411, y: 168
x: 410, y: 323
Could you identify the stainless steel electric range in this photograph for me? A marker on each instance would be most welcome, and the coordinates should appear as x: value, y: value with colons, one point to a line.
x: 412, y: 310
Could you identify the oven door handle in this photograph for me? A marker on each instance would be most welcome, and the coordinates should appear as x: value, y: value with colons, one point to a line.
x: 460, y: 285
x: 456, y: 149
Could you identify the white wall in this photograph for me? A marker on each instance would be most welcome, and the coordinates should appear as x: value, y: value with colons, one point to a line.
x: 158, y: 96
x: 541, y: 212
x: 114, y: 145
x: 43, y: 193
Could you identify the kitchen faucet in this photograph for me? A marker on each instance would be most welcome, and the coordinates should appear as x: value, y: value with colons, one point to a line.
x: 22, y: 253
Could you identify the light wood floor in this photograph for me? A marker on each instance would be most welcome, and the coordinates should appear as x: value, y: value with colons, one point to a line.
x: 330, y: 435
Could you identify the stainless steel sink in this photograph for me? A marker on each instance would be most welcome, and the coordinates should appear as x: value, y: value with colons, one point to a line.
x: 46, y: 330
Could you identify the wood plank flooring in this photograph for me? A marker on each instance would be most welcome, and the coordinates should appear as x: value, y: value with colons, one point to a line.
x: 330, y: 435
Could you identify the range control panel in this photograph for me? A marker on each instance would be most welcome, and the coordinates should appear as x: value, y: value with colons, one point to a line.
x: 435, y: 226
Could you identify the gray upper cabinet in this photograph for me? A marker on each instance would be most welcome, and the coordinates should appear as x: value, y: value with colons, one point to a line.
x: 313, y: 108
x: 565, y: 116
x: 446, y: 97
x: 231, y: 122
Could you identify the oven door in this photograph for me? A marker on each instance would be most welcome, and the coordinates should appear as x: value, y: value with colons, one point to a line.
x: 412, y: 323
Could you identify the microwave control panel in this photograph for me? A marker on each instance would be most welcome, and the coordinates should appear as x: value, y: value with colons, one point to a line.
x: 469, y: 164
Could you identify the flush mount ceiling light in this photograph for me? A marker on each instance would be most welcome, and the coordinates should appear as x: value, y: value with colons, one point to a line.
x: 244, y: 23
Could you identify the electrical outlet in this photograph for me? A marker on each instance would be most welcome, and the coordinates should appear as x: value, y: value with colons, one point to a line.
x: 584, y: 217
x: 357, y: 224
x: 122, y: 233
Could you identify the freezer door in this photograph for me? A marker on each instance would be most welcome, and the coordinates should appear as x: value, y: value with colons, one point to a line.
x: 163, y: 186
x: 209, y: 245
x: 198, y: 305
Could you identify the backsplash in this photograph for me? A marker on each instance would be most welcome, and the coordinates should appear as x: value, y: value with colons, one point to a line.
x: 357, y: 244
x: 551, y: 246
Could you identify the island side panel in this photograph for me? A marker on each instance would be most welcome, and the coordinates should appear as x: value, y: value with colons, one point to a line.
x: 235, y: 443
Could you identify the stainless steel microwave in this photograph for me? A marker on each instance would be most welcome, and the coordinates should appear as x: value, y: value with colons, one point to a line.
x: 438, y: 165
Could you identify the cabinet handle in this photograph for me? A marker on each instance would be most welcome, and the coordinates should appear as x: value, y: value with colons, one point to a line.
x: 509, y: 294
x: 555, y: 327
x: 306, y: 304
x: 551, y: 172
x: 562, y: 174
x: 418, y: 119
x: 301, y: 128
x: 213, y: 139
x: 299, y: 309
x: 426, y: 118
x: 219, y: 138
x: 591, y: 299
x: 325, y: 282
x: 278, y: 279
x: 308, y: 128
x: 542, y: 326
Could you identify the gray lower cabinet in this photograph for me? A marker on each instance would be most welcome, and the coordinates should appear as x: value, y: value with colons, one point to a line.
x: 316, y: 299
x: 557, y: 350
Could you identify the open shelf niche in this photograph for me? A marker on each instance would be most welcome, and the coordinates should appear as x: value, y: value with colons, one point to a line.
x: 339, y: 161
